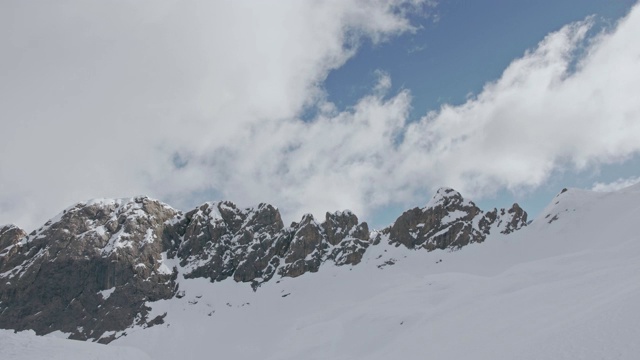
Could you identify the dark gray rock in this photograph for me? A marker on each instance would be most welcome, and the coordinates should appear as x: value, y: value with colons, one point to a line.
x: 62, y: 273
x: 450, y: 221
x: 10, y: 235
x: 340, y: 239
x: 252, y: 245
x: 221, y: 241
x: 91, y: 270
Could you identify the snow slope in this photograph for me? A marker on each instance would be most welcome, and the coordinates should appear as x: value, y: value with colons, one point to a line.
x: 566, y: 287
x: 26, y: 345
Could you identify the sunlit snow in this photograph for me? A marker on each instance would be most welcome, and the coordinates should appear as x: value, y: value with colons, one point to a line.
x: 562, y: 289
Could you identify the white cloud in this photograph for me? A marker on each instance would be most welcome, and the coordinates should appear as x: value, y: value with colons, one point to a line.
x: 97, y: 98
x: 205, y: 98
x: 621, y: 183
x: 539, y: 117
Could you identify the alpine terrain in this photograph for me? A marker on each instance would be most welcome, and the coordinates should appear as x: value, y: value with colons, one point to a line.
x: 447, y: 280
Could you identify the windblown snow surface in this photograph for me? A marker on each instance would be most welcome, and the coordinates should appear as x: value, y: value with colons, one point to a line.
x: 26, y: 345
x: 565, y: 287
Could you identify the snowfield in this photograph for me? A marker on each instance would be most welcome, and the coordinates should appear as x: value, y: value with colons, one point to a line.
x: 565, y: 287
x: 27, y: 346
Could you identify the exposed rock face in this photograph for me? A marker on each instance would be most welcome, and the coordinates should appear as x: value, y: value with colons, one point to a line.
x: 9, y: 236
x: 449, y: 221
x: 90, y: 271
x: 511, y: 220
x: 339, y: 238
x: 220, y: 241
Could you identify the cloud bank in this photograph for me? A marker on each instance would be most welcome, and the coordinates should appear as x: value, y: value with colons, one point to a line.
x: 621, y: 183
x: 191, y: 101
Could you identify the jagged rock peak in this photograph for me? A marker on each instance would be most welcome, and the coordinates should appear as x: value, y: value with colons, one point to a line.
x: 90, y: 270
x: 517, y: 219
x: 450, y: 221
x: 10, y: 235
x: 340, y: 238
x: 8, y: 227
x: 218, y: 241
x: 341, y: 224
x: 134, y: 206
x: 229, y: 213
x: 445, y: 196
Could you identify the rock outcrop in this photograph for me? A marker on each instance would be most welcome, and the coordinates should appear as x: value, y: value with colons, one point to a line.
x: 449, y: 221
x: 91, y: 270
x: 9, y: 237
x: 218, y: 241
x: 340, y: 238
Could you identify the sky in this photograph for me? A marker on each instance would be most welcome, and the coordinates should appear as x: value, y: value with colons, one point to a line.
x: 315, y: 106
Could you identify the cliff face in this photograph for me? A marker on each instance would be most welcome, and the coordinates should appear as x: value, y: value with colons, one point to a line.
x: 90, y: 271
x: 218, y: 241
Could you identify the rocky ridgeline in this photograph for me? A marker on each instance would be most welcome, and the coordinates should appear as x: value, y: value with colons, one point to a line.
x: 449, y: 221
x: 90, y: 271
x: 218, y: 241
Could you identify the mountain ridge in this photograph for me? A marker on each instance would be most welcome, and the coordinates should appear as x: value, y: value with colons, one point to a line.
x: 91, y: 270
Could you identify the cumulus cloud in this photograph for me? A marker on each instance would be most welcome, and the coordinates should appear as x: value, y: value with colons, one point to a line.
x: 621, y: 183
x: 570, y: 103
x: 204, y: 99
x: 541, y: 115
x: 166, y: 98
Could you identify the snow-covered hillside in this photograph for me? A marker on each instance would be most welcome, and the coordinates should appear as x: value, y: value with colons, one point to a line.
x: 90, y: 271
x: 566, y: 287
x: 27, y: 346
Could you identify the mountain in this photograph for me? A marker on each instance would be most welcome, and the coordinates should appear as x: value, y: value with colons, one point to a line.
x: 449, y: 221
x: 93, y: 271
x: 564, y: 287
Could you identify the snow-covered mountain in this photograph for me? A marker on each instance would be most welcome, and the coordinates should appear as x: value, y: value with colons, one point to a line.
x: 92, y: 270
x: 224, y: 282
